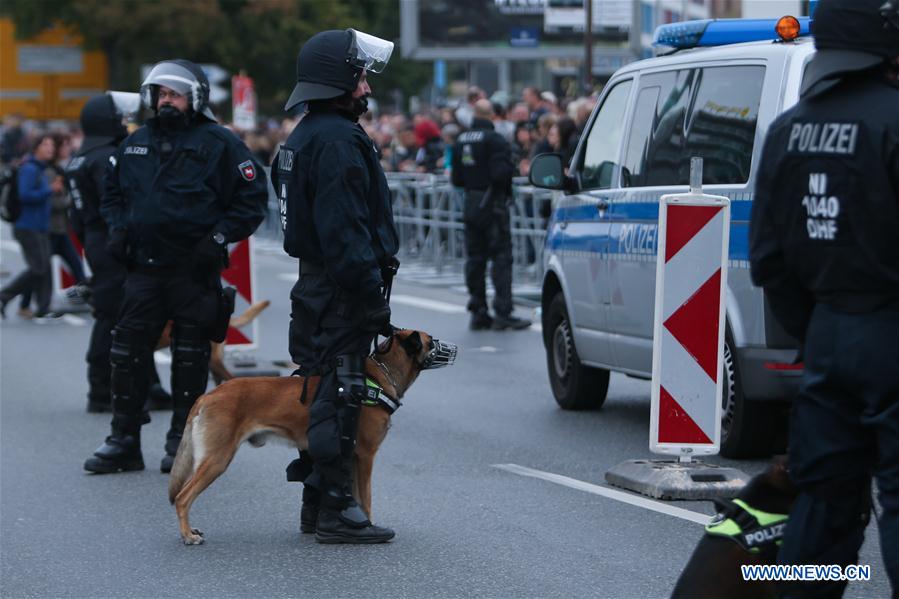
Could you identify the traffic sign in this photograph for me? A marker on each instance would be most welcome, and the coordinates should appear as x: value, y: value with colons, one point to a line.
x: 688, y: 341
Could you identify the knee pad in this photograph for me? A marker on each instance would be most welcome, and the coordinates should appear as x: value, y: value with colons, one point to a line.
x: 350, y: 370
x: 127, y: 353
x: 128, y: 357
x: 190, y: 363
x: 351, y: 391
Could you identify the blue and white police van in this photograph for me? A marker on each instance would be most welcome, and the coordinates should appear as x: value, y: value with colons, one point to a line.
x: 712, y: 95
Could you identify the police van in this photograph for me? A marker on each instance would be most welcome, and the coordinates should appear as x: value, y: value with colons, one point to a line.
x: 713, y: 96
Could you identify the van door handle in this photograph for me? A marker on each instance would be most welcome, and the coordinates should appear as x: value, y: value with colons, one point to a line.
x: 602, y: 204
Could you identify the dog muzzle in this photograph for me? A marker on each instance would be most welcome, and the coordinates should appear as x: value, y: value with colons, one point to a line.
x: 440, y: 355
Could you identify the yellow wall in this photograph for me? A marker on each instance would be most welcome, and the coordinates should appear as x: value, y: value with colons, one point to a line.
x: 48, y: 95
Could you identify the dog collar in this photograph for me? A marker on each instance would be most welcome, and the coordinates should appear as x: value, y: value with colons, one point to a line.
x: 752, y: 529
x: 376, y: 396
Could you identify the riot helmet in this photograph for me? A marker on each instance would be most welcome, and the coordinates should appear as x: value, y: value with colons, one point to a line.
x: 331, y: 62
x: 850, y: 36
x: 101, y: 118
x: 182, y: 76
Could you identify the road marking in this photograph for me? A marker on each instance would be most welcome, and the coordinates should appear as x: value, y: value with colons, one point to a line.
x: 428, y: 304
x: 8, y: 245
x: 418, y: 302
x: 648, y: 504
x: 74, y: 320
x: 487, y: 349
x: 162, y: 357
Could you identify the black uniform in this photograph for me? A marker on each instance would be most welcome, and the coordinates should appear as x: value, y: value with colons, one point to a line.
x: 824, y: 247
x: 168, y: 193
x: 337, y: 218
x: 84, y: 176
x: 482, y: 165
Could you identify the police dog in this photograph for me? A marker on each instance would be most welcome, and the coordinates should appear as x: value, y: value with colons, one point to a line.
x: 714, y: 568
x: 251, y: 409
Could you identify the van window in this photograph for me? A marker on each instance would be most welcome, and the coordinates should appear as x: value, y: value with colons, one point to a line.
x: 601, y: 152
x: 710, y: 113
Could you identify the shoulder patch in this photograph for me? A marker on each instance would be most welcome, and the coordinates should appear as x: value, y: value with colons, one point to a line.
x: 247, y: 170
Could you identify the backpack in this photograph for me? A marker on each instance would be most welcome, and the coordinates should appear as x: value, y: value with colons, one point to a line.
x: 10, y: 206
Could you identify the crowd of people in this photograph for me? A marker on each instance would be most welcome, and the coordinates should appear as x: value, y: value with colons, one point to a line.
x: 43, y: 226
x: 535, y: 123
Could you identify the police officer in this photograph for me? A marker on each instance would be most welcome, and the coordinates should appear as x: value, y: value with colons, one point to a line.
x: 178, y: 191
x: 482, y: 165
x: 102, y: 124
x: 337, y: 218
x: 824, y: 246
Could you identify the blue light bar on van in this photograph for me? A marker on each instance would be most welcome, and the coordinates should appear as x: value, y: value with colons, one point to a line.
x: 719, y: 32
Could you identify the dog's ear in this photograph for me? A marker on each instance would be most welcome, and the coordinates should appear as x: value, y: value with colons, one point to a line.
x: 412, y: 343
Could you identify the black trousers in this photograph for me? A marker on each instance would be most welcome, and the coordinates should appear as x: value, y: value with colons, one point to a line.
x: 325, y: 323
x: 36, y: 277
x: 107, y: 282
x: 493, y: 242
x: 844, y: 430
x: 60, y: 245
x: 153, y: 296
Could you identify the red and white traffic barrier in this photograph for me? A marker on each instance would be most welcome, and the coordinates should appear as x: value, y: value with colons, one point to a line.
x: 688, y: 343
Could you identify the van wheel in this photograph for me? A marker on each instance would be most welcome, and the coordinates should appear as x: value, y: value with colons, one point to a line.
x: 746, y: 426
x: 575, y: 386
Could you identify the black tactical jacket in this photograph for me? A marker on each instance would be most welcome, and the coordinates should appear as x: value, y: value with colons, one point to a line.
x: 169, y: 190
x: 826, y: 212
x: 85, y: 178
x: 336, y: 208
x: 482, y: 158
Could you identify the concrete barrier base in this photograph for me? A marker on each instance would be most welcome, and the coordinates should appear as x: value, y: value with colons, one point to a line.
x: 669, y: 479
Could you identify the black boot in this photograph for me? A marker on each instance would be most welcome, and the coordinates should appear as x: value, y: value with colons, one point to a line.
x: 349, y: 525
x: 119, y: 453
x: 172, y: 441
x: 309, y: 510
x: 501, y: 323
x: 480, y: 320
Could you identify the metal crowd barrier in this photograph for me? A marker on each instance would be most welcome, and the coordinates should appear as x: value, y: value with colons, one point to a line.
x: 427, y: 210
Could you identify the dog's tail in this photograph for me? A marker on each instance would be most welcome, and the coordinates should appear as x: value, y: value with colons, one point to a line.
x: 249, y: 314
x: 183, y: 467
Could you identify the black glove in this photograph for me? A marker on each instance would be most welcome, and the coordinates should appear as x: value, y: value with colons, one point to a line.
x: 377, y: 316
x: 117, y: 245
x: 389, y: 270
x: 207, y: 256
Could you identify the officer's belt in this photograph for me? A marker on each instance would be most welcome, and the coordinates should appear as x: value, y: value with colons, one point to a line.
x: 311, y: 268
x: 753, y: 530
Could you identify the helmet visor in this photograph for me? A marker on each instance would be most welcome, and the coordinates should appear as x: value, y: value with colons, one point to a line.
x: 369, y: 52
x: 172, y: 76
x: 126, y: 103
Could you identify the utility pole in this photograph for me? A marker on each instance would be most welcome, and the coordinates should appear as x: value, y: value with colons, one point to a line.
x: 588, y: 46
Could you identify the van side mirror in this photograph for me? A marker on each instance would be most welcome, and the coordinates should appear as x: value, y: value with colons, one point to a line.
x: 547, y: 171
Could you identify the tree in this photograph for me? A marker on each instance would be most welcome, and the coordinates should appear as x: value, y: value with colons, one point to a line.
x: 261, y: 37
